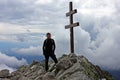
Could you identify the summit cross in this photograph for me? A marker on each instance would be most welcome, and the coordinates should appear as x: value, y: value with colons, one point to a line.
x: 71, y: 25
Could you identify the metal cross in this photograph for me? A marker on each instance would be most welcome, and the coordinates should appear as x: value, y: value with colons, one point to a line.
x: 71, y: 25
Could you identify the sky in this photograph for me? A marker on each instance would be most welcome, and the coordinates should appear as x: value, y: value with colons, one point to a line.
x: 24, y: 23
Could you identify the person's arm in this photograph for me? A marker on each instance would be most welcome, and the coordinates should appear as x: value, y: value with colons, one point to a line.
x: 54, y: 46
x: 44, y: 46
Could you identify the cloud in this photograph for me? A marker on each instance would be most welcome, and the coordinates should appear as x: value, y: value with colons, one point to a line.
x: 43, y: 2
x: 7, y: 28
x: 103, y: 39
x: 32, y: 50
x: 18, y: 33
x: 98, y: 8
x: 10, y: 62
x: 3, y: 66
x: 107, y: 48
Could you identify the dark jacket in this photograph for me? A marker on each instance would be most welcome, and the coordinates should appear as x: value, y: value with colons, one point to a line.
x: 48, y: 46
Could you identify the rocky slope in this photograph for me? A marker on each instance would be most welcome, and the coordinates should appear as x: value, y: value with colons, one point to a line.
x: 69, y: 67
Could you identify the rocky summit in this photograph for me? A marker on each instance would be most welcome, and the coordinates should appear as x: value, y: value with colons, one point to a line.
x: 69, y: 67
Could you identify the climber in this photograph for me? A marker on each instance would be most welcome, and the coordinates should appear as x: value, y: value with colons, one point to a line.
x: 48, y: 50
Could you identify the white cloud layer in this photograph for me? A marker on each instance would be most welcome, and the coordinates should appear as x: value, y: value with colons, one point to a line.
x: 32, y: 50
x: 10, y: 62
x: 3, y: 66
x: 15, y: 33
x: 43, y: 1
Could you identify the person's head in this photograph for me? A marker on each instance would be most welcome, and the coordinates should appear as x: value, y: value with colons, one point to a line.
x: 48, y: 35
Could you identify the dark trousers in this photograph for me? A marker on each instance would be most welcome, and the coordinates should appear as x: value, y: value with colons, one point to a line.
x: 53, y: 56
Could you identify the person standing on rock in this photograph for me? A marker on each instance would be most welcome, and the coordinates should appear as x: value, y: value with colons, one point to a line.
x: 48, y: 50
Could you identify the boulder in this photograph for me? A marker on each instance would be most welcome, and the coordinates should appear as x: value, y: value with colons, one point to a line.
x: 49, y: 76
x: 4, y: 73
x: 64, y: 64
x: 4, y: 79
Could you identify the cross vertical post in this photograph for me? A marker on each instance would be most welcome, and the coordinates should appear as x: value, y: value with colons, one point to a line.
x: 71, y: 25
x: 71, y: 29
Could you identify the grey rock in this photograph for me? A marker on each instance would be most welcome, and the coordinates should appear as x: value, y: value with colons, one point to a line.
x: 4, y: 73
x: 64, y: 64
x: 4, y: 79
x: 23, y: 78
x: 49, y: 76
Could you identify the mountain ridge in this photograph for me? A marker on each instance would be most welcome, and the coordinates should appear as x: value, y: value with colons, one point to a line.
x: 69, y: 67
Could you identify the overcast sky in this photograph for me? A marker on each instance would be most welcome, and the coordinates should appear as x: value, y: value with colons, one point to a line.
x: 24, y: 23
